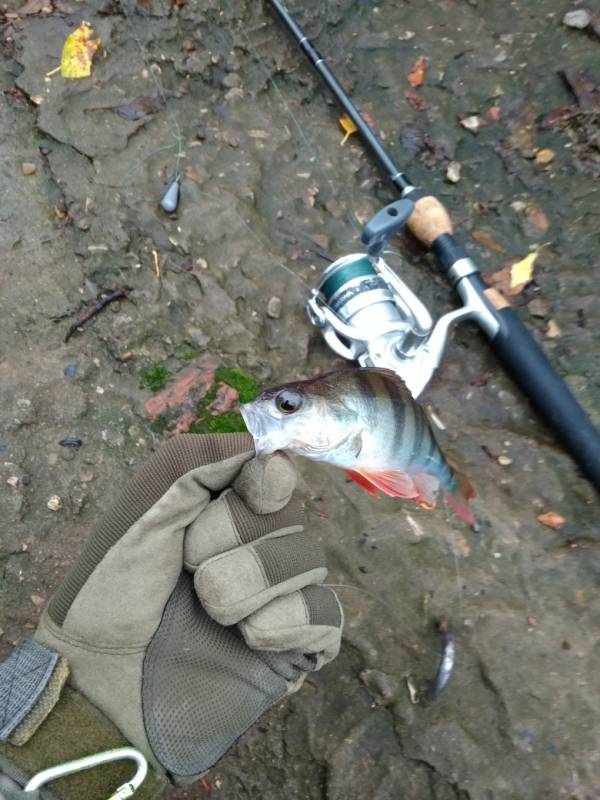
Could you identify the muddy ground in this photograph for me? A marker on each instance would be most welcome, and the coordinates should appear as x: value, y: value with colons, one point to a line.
x: 266, y: 188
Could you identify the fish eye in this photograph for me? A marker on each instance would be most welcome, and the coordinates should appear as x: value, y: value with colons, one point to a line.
x: 288, y: 401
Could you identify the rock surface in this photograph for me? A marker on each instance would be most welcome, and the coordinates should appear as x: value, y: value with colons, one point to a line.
x: 264, y: 179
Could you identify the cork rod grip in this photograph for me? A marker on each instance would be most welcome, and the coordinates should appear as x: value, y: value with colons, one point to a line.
x: 429, y: 220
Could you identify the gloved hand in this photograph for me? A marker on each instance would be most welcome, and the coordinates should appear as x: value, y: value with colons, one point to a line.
x: 196, y: 604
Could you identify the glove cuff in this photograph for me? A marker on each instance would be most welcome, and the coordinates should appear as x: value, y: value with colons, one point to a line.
x: 53, y: 723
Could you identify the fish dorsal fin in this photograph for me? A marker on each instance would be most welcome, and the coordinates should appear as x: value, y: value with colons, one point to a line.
x: 390, y: 375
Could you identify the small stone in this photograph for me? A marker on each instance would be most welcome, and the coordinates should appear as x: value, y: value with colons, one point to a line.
x: 127, y: 356
x: 544, y: 156
x: 274, y: 308
x: 28, y: 168
x: 472, y: 123
x: 13, y: 481
x: 70, y: 370
x: 453, y: 172
x: 55, y: 503
x: 83, y: 224
x: 504, y: 461
x: 188, y: 45
x: 37, y: 600
x: 99, y: 390
x: 553, y: 330
x: 577, y: 19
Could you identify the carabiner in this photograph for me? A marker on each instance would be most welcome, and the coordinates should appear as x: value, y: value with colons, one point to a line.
x: 79, y: 764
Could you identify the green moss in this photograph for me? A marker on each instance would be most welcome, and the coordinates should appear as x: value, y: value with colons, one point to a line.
x: 155, y: 377
x: 159, y: 425
x: 231, y: 422
x: 188, y: 355
x: 244, y: 384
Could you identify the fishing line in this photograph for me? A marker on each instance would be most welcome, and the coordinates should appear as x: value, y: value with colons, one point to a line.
x: 305, y: 140
x: 151, y: 69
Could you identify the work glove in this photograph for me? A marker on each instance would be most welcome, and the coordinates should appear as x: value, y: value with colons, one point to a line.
x: 196, y: 604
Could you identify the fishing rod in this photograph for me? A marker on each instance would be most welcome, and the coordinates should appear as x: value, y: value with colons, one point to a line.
x: 367, y: 313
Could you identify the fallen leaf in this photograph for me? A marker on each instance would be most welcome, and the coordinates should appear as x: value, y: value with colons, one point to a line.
x: 78, y: 52
x: 485, y: 240
x: 37, y: 600
x: 584, y: 87
x: 348, y: 127
x: 416, y: 76
x: 552, y: 519
x: 139, y: 107
x: 500, y: 280
x: 553, y: 330
x: 522, y: 272
x: 544, y: 156
x: 416, y: 101
x: 557, y: 115
x: 537, y: 218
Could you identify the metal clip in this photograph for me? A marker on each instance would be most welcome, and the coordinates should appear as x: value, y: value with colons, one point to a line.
x: 69, y: 767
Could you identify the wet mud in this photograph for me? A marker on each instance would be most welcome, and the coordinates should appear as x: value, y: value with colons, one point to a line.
x: 267, y: 192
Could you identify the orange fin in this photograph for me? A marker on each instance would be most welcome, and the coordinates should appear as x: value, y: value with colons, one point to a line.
x: 459, y: 501
x: 362, y: 481
x: 394, y: 484
x: 427, y: 487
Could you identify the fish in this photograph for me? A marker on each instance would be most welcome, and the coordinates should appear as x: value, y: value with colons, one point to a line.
x: 364, y: 420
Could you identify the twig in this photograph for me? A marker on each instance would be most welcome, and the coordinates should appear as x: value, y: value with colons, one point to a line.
x: 96, y: 309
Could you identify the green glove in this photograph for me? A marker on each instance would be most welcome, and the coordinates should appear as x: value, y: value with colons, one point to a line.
x: 205, y: 536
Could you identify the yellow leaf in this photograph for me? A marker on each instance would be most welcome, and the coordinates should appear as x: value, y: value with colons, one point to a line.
x: 348, y: 126
x: 78, y: 52
x: 522, y: 271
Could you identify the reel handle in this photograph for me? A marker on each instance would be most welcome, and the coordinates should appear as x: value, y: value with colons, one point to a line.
x: 387, y: 222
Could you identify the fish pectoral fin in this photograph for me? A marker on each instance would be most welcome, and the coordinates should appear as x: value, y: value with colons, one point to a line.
x: 427, y: 487
x: 392, y: 483
x: 362, y: 481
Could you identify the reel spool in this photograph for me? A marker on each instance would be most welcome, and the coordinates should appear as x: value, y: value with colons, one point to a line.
x: 366, y: 313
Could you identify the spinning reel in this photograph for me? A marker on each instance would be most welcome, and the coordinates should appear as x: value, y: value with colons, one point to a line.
x: 366, y: 313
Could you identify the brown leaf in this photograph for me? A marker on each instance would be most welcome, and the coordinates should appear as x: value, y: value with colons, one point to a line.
x: 416, y: 101
x: 552, y: 519
x: 416, y: 76
x: 485, y: 240
x: 500, y: 280
x: 557, y: 115
x: 537, y: 218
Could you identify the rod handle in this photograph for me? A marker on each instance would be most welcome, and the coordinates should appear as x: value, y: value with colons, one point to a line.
x: 429, y: 220
x: 526, y: 363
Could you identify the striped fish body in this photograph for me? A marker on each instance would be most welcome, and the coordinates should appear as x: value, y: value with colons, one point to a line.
x: 366, y: 421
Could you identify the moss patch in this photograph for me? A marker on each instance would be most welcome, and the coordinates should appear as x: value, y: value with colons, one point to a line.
x: 244, y: 384
x: 230, y: 422
x: 155, y: 377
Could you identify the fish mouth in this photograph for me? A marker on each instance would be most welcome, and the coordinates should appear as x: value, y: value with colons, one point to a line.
x: 255, y: 422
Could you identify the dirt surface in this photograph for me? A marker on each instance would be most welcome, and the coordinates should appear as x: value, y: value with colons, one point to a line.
x: 266, y: 187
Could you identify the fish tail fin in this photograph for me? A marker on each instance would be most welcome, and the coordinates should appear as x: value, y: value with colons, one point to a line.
x: 458, y: 500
